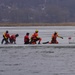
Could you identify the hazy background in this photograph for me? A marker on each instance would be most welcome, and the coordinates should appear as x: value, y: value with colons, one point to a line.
x: 37, y: 11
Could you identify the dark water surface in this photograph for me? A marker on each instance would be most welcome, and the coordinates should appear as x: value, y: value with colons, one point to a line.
x: 37, y: 61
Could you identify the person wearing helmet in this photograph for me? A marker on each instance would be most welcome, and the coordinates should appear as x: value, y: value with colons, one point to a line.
x: 26, y: 38
x: 13, y: 38
x: 35, y: 38
x: 54, y: 38
x: 36, y: 31
x: 6, y: 36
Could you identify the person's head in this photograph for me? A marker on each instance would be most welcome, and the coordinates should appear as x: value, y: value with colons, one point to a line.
x: 36, y: 31
x: 7, y: 31
x: 27, y: 33
x: 55, y: 33
x: 17, y: 35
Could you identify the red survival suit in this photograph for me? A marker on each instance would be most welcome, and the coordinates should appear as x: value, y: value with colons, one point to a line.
x: 35, y: 38
x: 54, y: 39
x: 26, y: 38
x: 6, y: 36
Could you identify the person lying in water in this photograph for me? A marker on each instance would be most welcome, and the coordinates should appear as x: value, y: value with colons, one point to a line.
x: 54, y: 38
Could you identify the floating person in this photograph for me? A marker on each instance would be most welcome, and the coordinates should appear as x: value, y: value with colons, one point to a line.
x: 35, y: 38
x: 26, y: 39
x: 6, y: 36
x: 13, y: 38
x: 54, y: 38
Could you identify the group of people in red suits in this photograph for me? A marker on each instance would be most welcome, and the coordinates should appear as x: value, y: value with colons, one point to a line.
x: 7, y: 39
x: 34, y: 39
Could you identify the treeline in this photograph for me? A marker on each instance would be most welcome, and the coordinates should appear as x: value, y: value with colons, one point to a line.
x: 37, y: 11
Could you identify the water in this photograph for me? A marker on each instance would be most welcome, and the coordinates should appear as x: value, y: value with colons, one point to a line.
x: 38, y: 60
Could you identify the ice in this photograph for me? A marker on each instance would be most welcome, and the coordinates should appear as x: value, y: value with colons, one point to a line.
x: 38, y: 60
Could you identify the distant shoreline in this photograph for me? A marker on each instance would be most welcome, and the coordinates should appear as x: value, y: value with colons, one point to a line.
x: 37, y: 24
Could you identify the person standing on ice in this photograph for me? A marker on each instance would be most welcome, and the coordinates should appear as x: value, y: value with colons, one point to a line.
x: 54, y: 38
x: 35, y: 38
x: 6, y: 36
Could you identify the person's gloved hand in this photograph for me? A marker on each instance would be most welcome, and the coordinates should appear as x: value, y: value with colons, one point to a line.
x: 62, y: 37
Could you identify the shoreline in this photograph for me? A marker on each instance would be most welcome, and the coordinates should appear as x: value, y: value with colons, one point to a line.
x: 37, y: 24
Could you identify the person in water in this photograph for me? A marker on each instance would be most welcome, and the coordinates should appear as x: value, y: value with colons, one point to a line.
x: 26, y: 39
x: 35, y: 38
x: 6, y: 36
x: 54, y: 38
x: 13, y: 38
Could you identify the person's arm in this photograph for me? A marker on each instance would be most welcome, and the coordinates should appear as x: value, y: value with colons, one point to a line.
x: 14, y: 38
x: 60, y: 37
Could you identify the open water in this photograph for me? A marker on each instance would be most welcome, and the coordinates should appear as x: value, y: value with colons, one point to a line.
x: 38, y: 60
